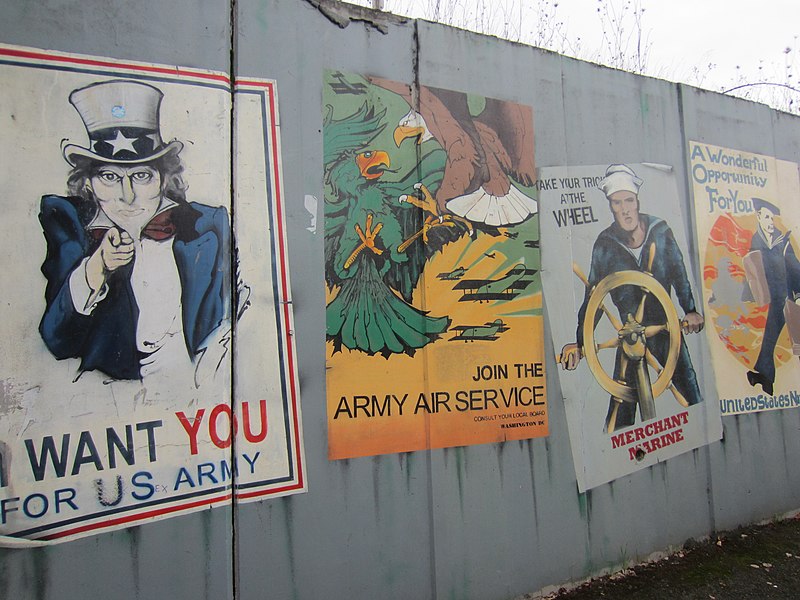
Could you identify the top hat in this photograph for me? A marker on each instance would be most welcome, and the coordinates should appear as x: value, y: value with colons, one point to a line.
x: 619, y: 178
x: 121, y: 118
x: 759, y: 203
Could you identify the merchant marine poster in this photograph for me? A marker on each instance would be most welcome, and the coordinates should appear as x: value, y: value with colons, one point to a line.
x: 626, y: 316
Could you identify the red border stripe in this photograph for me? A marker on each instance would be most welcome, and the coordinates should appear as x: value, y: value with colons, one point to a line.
x: 176, y: 71
x: 130, y: 519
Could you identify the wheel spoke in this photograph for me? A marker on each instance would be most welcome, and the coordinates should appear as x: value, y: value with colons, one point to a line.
x: 615, y: 322
x: 652, y: 330
x: 653, y: 362
x: 610, y: 343
x: 640, y: 310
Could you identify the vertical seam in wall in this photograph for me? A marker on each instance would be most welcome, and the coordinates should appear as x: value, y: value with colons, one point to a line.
x: 415, y: 94
x: 564, y: 120
x: 234, y: 295
x: 694, y: 251
x: 691, y: 240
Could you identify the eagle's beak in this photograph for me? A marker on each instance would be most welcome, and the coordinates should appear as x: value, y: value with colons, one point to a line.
x: 372, y: 164
x: 403, y: 132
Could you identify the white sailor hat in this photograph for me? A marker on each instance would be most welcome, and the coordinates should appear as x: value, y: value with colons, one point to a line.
x: 620, y: 178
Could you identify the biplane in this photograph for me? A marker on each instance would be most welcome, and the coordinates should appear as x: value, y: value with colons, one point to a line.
x: 345, y: 87
x: 453, y: 275
x: 507, y: 287
x: 487, y: 332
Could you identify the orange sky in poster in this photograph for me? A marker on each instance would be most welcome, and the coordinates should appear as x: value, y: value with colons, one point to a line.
x: 447, y: 367
x: 740, y: 327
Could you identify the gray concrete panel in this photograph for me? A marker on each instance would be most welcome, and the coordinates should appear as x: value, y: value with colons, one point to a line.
x: 750, y: 478
x: 496, y: 506
x: 363, y: 529
x: 184, y: 557
x: 610, y: 116
x: 189, y: 33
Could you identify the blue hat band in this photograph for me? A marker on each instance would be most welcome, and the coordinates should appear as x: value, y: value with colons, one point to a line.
x: 125, y: 143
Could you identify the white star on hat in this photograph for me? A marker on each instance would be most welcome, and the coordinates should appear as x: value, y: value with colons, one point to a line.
x: 121, y: 143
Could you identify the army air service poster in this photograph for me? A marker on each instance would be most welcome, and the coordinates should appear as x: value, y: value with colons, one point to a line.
x: 747, y: 208
x: 434, y: 304
x: 626, y: 317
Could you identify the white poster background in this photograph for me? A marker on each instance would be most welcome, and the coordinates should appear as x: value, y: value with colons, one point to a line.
x: 41, y: 397
x: 568, y: 238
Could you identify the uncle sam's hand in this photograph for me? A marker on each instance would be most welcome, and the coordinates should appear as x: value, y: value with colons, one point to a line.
x: 115, y: 251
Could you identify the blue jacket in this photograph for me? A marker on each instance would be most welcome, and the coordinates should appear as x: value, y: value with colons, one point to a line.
x: 106, y: 339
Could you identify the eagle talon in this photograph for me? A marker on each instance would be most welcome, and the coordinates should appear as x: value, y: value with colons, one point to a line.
x: 423, y: 200
x: 367, y: 236
x: 429, y: 224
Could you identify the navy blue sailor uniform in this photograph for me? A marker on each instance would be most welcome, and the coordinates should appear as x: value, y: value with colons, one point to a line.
x: 782, y: 271
x: 610, y: 255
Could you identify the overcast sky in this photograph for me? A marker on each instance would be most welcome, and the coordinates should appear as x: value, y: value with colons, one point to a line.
x: 682, y: 34
x: 726, y: 33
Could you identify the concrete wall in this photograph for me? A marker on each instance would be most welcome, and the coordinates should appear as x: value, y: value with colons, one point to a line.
x: 490, y: 521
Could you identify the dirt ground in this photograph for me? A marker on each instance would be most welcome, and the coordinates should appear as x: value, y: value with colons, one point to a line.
x: 755, y: 563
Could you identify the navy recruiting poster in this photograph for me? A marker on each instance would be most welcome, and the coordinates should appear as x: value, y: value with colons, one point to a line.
x: 747, y: 208
x: 626, y: 316
x: 135, y: 302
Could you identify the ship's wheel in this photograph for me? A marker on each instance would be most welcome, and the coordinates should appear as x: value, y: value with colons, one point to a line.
x: 632, y: 337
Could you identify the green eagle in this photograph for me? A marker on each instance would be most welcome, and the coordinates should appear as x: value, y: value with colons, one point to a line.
x: 378, y: 238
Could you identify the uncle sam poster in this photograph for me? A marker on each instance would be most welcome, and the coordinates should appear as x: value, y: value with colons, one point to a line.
x: 129, y: 305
